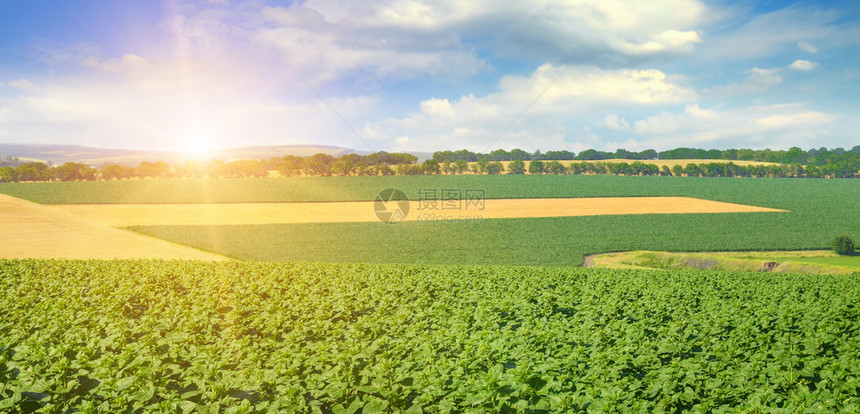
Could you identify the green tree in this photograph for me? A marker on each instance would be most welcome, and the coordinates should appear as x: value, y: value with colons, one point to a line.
x: 461, y: 166
x: 115, y: 172
x: 495, y: 168
x: 248, y: 168
x: 290, y: 165
x: 318, y: 164
x: 32, y: 171
x: 158, y: 169
x: 216, y: 169
x: 517, y: 167
x: 554, y: 167
x: 7, y: 174
x: 447, y: 167
x: 74, y: 171
x: 693, y: 170
x: 843, y: 245
x: 481, y: 165
x: 536, y: 166
x: 430, y: 166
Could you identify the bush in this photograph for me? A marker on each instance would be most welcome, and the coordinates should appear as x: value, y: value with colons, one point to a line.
x: 843, y: 245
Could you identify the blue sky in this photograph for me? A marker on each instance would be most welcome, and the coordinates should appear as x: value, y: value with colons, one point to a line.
x: 409, y: 75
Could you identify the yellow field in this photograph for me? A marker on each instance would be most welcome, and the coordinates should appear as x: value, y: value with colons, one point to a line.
x: 88, y: 231
x: 363, y: 211
x: 35, y: 231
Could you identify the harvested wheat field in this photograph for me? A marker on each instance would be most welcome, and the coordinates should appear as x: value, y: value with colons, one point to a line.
x: 35, y: 231
x: 121, y: 215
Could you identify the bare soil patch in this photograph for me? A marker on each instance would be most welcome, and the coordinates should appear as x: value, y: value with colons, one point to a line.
x: 35, y: 231
x: 121, y: 215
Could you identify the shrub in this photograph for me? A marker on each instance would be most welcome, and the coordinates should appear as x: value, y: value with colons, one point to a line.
x: 843, y: 245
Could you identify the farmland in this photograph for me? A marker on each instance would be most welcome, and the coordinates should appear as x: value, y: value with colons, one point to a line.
x: 116, y: 336
x: 31, y: 230
x: 308, y: 189
x: 490, y: 315
x: 816, y: 211
x: 123, y: 215
x: 807, y: 261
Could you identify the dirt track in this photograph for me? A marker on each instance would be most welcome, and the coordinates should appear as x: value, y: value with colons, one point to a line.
x: 121, y: 215
x: 31, y: 230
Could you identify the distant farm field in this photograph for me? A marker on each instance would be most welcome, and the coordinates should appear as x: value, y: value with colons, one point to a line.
x: 123, y: 215
x: 753, y: 191
x: 816, y: 211
x: 35, y: 231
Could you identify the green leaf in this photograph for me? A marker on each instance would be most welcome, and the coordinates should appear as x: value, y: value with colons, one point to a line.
x: 124, y: 383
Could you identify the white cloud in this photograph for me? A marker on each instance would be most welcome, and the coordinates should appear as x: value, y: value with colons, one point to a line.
x: 765, y: 35
x: 803, y: 65
x: 615, y: 122
x: 807, y: 47
x: 175, y: 101
x: 757, y: 80
x: 126, y: 64
x: 535, y: 109
x: 415, y: 38
x: 774, y: 126
x: 22, y: 84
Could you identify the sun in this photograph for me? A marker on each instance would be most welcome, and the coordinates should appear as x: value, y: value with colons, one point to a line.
x: 198, y: 146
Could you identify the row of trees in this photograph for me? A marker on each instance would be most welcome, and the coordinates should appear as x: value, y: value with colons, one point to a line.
x: 713, y: 169
x: 837, y: 164
x: 795, y: 155
x: 380, y: 163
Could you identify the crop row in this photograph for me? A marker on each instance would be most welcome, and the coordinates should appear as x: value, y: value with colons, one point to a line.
x: 161, y: 336
x: 247, y: 190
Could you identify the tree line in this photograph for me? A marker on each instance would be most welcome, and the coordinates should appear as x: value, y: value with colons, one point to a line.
x: 794, y: 155
x: 815, y: 163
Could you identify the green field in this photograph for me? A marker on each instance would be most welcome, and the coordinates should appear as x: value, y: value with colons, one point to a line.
x: 850, y: 261
x: 818, y: 211
x: 777, y: 192
x: 157, y: 336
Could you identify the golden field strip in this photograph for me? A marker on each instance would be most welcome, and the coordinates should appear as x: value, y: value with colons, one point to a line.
x: 35, y: 231
x: 88, y: 231
x: 121, y: 215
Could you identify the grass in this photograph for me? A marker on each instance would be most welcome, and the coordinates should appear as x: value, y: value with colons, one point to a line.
x: 849, y: 261
x: 786, y: 262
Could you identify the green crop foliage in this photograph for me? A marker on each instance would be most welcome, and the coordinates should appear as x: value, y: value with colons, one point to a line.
x: 172, y: 336
x: 242, y: 190
x: 817, y: 210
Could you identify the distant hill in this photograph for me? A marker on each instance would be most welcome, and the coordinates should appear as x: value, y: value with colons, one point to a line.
x: 59, y: 154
